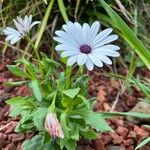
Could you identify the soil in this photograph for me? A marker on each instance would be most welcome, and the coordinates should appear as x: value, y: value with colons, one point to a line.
x: 126, y: 136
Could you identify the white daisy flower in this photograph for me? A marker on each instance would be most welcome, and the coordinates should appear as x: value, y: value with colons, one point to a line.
x: 23, y: 26
x: 84, y: 45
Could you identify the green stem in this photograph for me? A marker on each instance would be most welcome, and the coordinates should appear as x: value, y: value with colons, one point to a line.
x: 68, y: 76
x: 35, y: 50
x: 36, y: 53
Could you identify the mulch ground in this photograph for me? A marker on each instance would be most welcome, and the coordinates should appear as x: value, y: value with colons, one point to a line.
x: 127, y: 135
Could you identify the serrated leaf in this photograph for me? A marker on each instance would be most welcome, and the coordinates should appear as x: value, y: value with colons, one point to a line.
x: 71, y: 92
x: 16, y: 101
x: 39, y: 118
x: 96, y: 121
x: 36, y: 89
x: 144, y: 142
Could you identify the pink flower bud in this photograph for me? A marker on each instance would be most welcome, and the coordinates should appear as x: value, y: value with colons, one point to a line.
x: 53, y: 126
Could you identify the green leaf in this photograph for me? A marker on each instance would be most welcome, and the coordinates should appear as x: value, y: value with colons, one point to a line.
x: 74, y: 133
x: 86, y: 102
x: 25, y: 102
x: 32, y: 144
x: 17, y: 71
x: 65, y: 128
x: 39, y: 118
x: 144, y: 142
x: 16, y: 111
x: 133, y: 114
x: 62, y: 10
x: 15, y: 83
x: 16, y: 101
x: 71, y: 145
x: 90, y: 135
x: 96, y: 121
x: 36, y: 144
x: 30, y: 68
x: 128, y: 34
x: 71, y: 92
x: 36, y: 89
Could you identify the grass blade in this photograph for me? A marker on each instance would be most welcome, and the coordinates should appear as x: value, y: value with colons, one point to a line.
x: 63, y: 10
x: 44, y: 23
x: 128, y: 34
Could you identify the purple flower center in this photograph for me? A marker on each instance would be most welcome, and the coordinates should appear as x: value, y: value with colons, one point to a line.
x: 85, y: 49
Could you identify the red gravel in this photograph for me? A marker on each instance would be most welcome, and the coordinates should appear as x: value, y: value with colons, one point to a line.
x: 126, y: 136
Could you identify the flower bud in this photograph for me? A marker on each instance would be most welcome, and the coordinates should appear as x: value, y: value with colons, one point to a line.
x: 53, y: 126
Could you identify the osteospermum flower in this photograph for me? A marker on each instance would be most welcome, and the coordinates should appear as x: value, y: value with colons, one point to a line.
x: 84, y: 45
x: 53, y: 126
x: 23, y: 26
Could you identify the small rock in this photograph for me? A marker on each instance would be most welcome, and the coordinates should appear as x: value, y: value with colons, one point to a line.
x: 142, y: 107
x: 116, y: 139
x: 128, y: 142
x: 99, y: 145
x: 122, y: 131
x: 10, y: 146
x: 141, y: 133
x: 112, y: 147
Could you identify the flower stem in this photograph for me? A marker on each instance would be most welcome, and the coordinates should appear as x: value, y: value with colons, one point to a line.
x: 36, y: 53
x: 35, y: 50
x: 68, y: 74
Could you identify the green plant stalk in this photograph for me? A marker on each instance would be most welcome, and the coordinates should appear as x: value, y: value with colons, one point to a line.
x: 133, y: 59
x: 44, y: 23
x: 62, y: 9
x: 36, y: 53
x: 34, y: 48
x: 65, y: 17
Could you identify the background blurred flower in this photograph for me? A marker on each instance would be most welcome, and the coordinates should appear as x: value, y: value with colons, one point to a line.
x: 84, y: 45
x: 52, y: 126
x: 23, y: 26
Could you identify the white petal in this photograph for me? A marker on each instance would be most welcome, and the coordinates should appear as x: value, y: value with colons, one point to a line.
x: 60, y: 40
x: 106, y: 40
x: 11, y: 31
x: 101, y: 36
x: 94, y: 30
x: 72, y: 60
x: 95, y: 60
x: 110, y: 46
x: 66, y: 47
x: 25, y: 23
x: 34, y: 23
x: 10, y: 37
x: 71, y: 29
x: 86, y: 33
x: 69, y: 53
x: 79, y: 31
x: 105, y: 59
x: 89, y: 64
x: 15, y: 40
x: 81, y: 59
x: 19, y: 27
x: 108, y: 52
x: 67, y: 37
